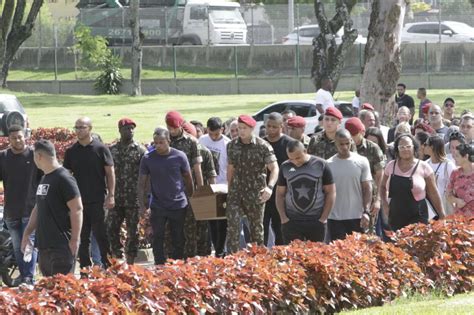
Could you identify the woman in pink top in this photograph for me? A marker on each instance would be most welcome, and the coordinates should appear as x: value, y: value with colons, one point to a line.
x: 406, y: 183
x: 460, y: 190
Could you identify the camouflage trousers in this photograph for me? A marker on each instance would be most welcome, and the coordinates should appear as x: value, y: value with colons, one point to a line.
x: 196, y: 236
x: 234, y: 212
x: 116, y: 218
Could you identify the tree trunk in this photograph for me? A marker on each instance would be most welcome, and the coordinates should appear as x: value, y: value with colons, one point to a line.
x: 328, y: 57
x: 5, y: 22
x: 382, y: 56
x: 137, y: 39
x: 19, y: 33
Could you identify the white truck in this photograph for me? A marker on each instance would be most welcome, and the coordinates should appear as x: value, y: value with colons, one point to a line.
x: 173, y: 22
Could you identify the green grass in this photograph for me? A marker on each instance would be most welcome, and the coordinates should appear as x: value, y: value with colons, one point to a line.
x: 423, y: 305
x: 46, y: 110
x: 147, y: 73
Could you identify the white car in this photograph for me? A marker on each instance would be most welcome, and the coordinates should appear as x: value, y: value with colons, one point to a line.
x: 451, y: 32
x: 308, y: 32
x: 303, y: 108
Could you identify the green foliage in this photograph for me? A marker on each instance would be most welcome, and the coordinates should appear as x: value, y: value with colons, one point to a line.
x: 420, y: 6
x: 94, y: 51
x: 455, y: 7
x: 110, y: 79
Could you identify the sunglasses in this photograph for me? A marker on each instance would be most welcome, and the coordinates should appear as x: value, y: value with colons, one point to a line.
x: 448, y: 105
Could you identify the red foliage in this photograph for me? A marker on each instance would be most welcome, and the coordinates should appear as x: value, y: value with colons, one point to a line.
x: 444, y: 251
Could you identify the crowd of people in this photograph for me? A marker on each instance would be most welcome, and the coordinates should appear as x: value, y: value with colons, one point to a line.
x: 351, y: 175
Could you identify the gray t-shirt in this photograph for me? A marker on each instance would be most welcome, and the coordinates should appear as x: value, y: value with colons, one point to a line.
x: 304, y: 198
x: 348, y: 175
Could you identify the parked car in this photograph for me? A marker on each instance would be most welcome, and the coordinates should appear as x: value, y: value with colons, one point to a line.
x: 303, y: 108
x: 451, y: 32
x: 12, y: 113
x: 308, y: 32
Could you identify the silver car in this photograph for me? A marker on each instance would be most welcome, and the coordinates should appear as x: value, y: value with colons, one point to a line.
x: 308, y: 32
x: 451, y: 32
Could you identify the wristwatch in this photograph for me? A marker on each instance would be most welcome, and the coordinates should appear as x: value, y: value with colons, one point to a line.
x: 270, y: 186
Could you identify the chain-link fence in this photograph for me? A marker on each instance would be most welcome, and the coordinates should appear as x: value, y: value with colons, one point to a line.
x: 268, y: 51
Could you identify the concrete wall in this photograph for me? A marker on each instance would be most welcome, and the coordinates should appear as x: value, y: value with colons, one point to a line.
x: 268, y: 85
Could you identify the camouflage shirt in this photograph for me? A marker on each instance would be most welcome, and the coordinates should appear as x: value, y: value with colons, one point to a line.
x: 250, y: 167
x: 188, y: 145
x: 126, y: 164
x: 207, y: 167
x: 374, y: 154
x: 321, y: 146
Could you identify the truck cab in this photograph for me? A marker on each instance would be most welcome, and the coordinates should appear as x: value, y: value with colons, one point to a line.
x: 213, y: 23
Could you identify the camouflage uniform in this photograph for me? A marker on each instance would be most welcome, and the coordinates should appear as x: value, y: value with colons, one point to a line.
x: 249, y: 178
x: 208, y: 171
x: 127, y: 162
x: 321, y: 146
x: 374, y: 154
x: 188, y: 145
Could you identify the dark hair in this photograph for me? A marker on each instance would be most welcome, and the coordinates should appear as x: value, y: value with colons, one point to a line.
x: 422, y: 90
x: 294, y: 145
x: 456, y: 135
x: 197, y: 124
x: 288, y: 111
x: 162, y: 132
x: 437, y: 145
x: 214, y: 123
x: 402, y: 85
x: 466, y: 149
x: 275, y: 117
x: 45, y: 146
x: 343, y: 134
x: 416, y: 144
x: 449, y: 99
x: 377, y: 133
x: 422, y: 137
x: 15, y: 128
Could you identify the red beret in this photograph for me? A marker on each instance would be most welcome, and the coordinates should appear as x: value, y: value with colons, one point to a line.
x: 189, y: 128
x: 296, y: 122
x: 126, y: 122
x: 368, y: 106
x: 333, y: 111
x: 248, y: 120
x: 174, y: 119
x: 426, y: 108
x: 354, y: 125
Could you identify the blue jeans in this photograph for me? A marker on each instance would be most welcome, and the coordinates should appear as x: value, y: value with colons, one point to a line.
x: 95, y: 251
x: 16, y: 227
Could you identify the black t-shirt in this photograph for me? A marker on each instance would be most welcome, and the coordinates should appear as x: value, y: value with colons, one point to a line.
x: 20, y: 178
x: 54, y: 223
x: 279, y: 147
x: 87, y: 164
x: 405, y: 100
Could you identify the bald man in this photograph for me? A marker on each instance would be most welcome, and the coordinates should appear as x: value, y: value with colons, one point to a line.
x: 91, y: 163
x: 435, y: 116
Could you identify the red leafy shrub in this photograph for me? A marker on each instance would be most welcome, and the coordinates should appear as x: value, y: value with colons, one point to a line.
x: 62, y: 138
x: 443, y: 250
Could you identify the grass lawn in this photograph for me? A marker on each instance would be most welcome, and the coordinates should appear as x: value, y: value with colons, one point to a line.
x: 421, y: 305
x: 147, y: 73
x: 46, y: 110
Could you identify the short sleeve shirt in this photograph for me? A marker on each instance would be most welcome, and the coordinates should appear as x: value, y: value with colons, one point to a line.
x: 207, y: 167
x: 423, y: 171
x: 54, y: 191
x: 87, y: 164
x: 348, y: 176
x: 304, y: 199
x: 188, y: 145
x: 219, y: 152
x: 462, y: 187
x: 166, y: 178
x: 324, y: 98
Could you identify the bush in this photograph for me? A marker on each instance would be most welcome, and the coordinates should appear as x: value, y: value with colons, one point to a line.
x: 444, y: 251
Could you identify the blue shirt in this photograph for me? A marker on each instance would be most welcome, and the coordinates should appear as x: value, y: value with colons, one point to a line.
x: 167, y: 184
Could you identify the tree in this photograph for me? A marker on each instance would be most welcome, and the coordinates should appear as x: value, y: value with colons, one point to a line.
x: 382, y: 56
x: 137, y: 54
x: 15, y: 30
x: 328, y: 57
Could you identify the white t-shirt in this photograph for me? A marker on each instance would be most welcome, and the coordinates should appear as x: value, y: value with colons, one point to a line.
x: 348, y: 174
x: 219, y: 152
x: 324, y: 98
x: 442, y: 174
x: 355, y: 102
